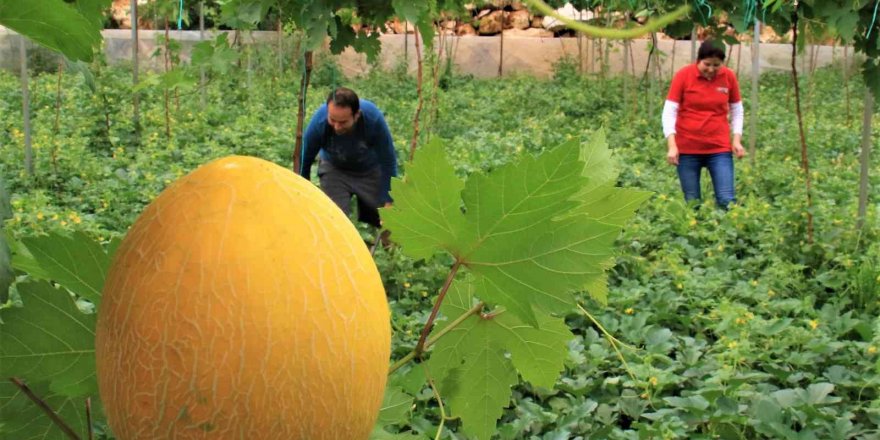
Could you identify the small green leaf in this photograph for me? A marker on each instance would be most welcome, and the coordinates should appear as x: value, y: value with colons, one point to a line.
x: 54, y: 24
x: 396, y: 407
x: 49, y: 339
x: 76, y: 262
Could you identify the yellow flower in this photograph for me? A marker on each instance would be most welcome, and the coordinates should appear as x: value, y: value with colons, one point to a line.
x: 629, y: 311
x: 406, y: 285
x: 731, y: 345
x: 771, y: 293
x: 754, y: 283
x: 644, y: 395
x: 814, y: 324
x: 680, y: 286
x: 63, y: 223
x: 39, y: 216
x: 653, y: 380
x: 424, y: 294
x: 872, y: 350
x: 740, y: 321
x: 693, y: 222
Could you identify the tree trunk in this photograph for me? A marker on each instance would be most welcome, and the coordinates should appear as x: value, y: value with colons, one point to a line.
x: 415, y: 137
x: 167, y: 95
x: 57, y: 127
x: 436, y: 86
x: 865, y: 158
x: 739, y: 52
x: 203, y: 98
x: 672, y: 61
x: 280, y: 47
x: 805, y: 160
x: 756, y: 77
x: 135, y: 99
x: 26, y: 108
x: 406, y: 45
x: 626, y: 69
x: 500, y: 54
x: 301, y: 111
x: 846, y: 85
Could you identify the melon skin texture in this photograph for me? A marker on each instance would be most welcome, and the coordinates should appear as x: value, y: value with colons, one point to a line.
x: 242, y: 304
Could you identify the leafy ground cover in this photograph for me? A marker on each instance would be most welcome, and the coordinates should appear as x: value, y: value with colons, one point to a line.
x: 729, y: 324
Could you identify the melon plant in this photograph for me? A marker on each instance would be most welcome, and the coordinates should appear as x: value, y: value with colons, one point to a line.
x: 242, y: 303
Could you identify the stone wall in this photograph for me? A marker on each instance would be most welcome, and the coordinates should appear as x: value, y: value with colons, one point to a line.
x: 478, y: 56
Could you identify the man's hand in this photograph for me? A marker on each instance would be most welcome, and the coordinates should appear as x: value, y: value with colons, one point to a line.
x: 387, y: 205
x: 672, y: 150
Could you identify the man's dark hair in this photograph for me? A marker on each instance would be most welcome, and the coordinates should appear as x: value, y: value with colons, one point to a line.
x: 344, y: 97
x: 711, y: 49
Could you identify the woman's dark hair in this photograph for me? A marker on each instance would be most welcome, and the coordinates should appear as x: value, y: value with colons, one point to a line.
x: 711, y: 49
x: 344, y: 97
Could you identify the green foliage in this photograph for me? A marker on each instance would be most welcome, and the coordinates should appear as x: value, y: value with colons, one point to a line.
x: 76, y: 262
x: 49, y: 339
x: 472, y: 365
x: 73, y: 30
x: 523, y: 233
x: 730, y: 308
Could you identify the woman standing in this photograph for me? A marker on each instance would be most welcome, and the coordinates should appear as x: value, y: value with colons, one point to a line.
x: 702, y: 108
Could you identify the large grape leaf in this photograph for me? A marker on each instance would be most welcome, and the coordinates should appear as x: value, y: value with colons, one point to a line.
x: 54, y: 24
x: 476, y: 363
x: 22, y: 419
x: 49, y: 340
x: 532, y: 232
x: 427, y: 213
x: 76, y: 262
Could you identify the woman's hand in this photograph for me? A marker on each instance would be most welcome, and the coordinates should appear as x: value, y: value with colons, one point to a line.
x: 738, y: 149
x: 672, y: 150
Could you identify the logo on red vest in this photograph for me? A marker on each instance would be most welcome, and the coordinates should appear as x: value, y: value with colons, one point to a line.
x: 723, y: 90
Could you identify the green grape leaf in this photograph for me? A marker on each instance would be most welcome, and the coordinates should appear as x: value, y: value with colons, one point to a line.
x: 600, y: 167
x: 544, y: 265
x: 49, y: 339
x: 22, y: 419
x: 54, y: 24
x: 613, y: 205
x: 532, y: 232
x: 476, y: 363
x: 426, y: 216
x: 76, y: 262
x: 396, y: 406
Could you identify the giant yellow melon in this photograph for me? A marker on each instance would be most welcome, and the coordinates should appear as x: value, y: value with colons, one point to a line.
x: 242, y: 304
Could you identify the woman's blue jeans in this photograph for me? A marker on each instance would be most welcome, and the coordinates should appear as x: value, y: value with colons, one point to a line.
x: 720, y: 166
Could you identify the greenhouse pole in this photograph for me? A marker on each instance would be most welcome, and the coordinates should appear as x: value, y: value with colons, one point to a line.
x: 694, y: 44
x: 134, y: 66
x: 26, y: 108
x: 756, y: 76
x: 865, y: 158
